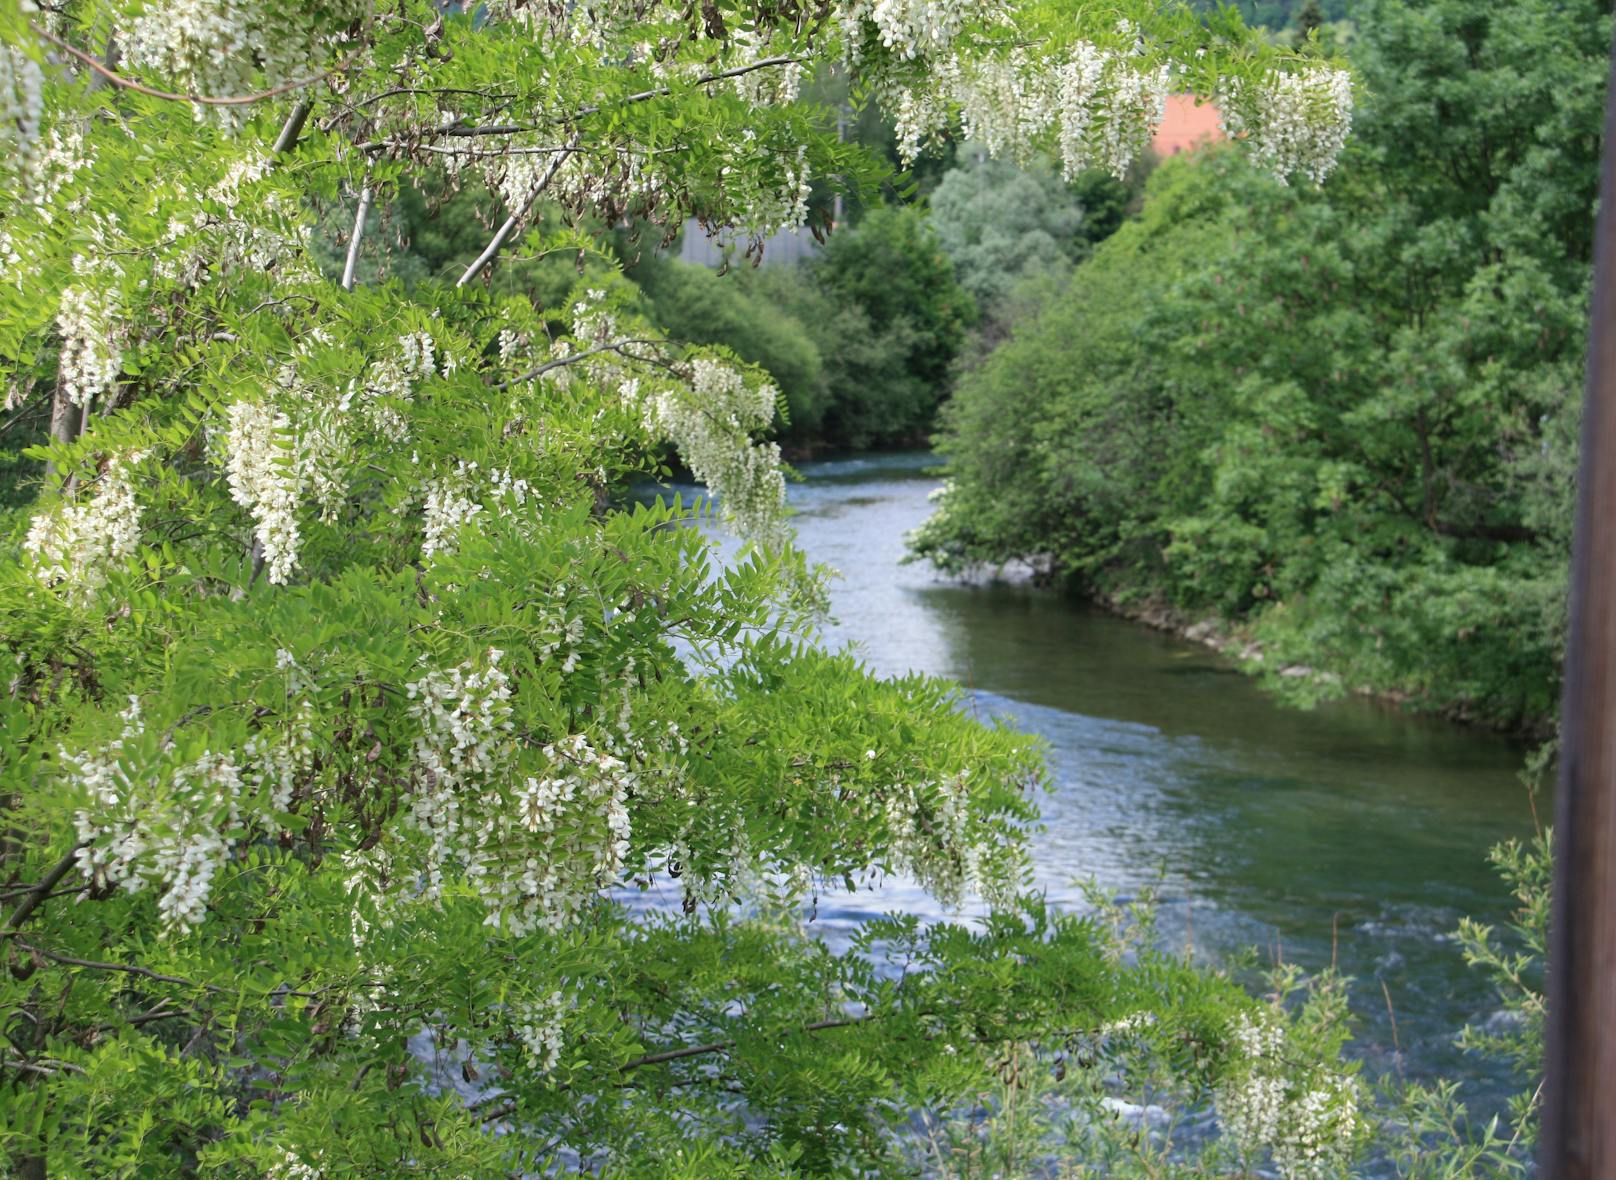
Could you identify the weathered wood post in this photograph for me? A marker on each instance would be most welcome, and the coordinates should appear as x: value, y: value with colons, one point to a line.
x: 1579, y: 1115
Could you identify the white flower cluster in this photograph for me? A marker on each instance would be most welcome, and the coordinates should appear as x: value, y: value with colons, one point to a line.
x: 1102, y: 106
x: 710, y: 421
x: 92, y: 353
x: 263, y: 473
x: 462, y: 752
x: 1309, y: 1123
x: 455, y: 500
x: 73, y: 543
x: 291, y: 1167
x: 449, y: 508
x: 1296, y: 122
x: 539, y: 1025
x: 772, y: 86
x: 780, y: 202
x: 568, y: 836
x: 10, y: 264
x: 22, y: 106
x: 225, y: 47
x: 577, y: 26
x: 170, y: 824
x: 391, y: 383
x: 324, y: 438
x: 912, y: 29
x: 60, y: 159
x: 538, y: 846
x: 607, y: 182
x: 165, y: 827
x: 273, y: 236
x: 932, y: 839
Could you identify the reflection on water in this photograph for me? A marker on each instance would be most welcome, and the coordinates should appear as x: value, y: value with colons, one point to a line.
x: 1350, y: 830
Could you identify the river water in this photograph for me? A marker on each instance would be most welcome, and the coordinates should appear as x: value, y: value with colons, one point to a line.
x: 1352, y: 831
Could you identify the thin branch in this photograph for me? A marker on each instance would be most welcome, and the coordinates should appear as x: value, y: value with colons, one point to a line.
x: 161, y: 1012
x: 41, y: 891
x: 454, y: 127
x: 706, y: 79
x: 159, y: 977
x: 616, y: 346
x: 418, y: 90
x: 508, y: 1107
x: 293, y: 128
x: 235, y: 100
x: 509, y: 228
x: 52, y: 1069
x: 352, y: 265
x: 504, y: 153
x: 723, y: 1046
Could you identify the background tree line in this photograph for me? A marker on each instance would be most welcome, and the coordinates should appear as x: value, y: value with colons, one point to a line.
x: 1343, y: 422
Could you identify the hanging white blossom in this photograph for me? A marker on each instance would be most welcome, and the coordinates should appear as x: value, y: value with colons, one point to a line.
x: 710, y: 421
x: 227, y: 47
x: 91, y: 354
x: 539, y: 1027
x: 73, y: 543
x: 1309, y: 1125
x: 262, y: 469
x: 1294, y: 123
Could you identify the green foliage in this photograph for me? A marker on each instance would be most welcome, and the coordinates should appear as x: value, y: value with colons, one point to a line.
x: 1317, y: 415
x: 996, y: 222
x: 860, y: 339
x: 1437, y: 1139
x: 1280, y: 14
x: 1128, y: 1102
x: 350, y: 711
x: 740, y: 311
x: 905, y: 322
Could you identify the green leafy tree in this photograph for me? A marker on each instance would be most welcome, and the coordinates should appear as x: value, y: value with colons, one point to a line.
x: 1341, y: 421
x: 347, y: 707
x: 740, y: 312
x: 997, y: 222
x: 905, y: 321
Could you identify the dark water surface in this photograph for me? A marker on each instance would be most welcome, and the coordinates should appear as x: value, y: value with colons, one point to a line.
x: 1352, y: 827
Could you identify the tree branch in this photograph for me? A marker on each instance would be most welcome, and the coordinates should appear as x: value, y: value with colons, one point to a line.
x: 705, y: 80
x: 616, y: 346
x: 455, y: 128
x: 293, y: 127
x: 723, y: 1046
x: 159, y: 977
x: 52, y: 1069
x: 31, y: 901
x: 352, y: 264
x: 236, y: 100
x: 509, y: 228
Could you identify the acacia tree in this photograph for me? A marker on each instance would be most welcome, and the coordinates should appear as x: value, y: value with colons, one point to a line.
x: 349, y: 712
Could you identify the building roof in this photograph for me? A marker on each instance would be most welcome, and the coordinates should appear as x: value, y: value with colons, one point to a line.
x: 1186, y: 126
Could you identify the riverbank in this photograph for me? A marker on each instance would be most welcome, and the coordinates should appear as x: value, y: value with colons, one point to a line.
x: 1315, y: 684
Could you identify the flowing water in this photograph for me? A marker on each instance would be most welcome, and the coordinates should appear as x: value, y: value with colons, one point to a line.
x: 1351, y: 832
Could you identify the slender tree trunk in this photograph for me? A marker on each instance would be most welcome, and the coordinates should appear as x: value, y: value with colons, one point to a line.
x: 65, y: 424
x: 293, y: 127
x: 350, y: 269
x: 505, y: 232
x: 1579, y: 1115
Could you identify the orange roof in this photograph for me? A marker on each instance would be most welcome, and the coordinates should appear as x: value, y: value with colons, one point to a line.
x: 1186, y: 126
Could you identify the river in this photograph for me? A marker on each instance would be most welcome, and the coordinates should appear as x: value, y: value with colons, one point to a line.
x: 1352, y: 831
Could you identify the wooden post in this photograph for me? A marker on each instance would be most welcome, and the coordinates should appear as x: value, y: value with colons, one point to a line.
x: 1579, y: 1114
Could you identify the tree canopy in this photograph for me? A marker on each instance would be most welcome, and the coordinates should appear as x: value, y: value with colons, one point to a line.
x: 352, y: 707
